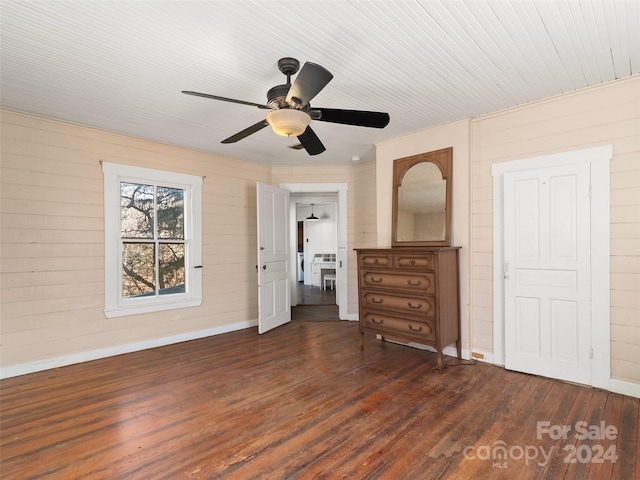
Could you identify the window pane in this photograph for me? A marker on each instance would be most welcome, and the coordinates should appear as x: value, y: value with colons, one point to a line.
x: 136, y: 210
x: 170, y: 213
x: 171, y: 259
x: 138, y: 269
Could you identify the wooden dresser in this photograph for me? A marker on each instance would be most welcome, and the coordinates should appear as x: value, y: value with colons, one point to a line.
x: 410, y: 294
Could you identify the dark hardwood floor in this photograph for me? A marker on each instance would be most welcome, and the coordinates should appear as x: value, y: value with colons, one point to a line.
x: 315, y: 313
x: 310, y: 295
x: 304, y: 401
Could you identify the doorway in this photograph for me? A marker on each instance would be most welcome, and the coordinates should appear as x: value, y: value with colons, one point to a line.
x: 318, y: 243
x: 515, y: 306
x: 547, y: 279
x: 314, y: 192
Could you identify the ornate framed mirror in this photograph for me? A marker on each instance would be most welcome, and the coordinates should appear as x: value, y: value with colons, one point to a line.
x: 422, y: 199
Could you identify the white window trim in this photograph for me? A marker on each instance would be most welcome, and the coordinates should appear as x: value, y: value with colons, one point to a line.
x: 115, y: 305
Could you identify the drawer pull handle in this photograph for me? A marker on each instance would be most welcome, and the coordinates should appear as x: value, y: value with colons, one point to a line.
x: 375, y: 300
x: 411, y: 262
x: 414, y: 284
x: 416, y: 307
x: 419, y: 329
x: 376, y: 280
x: 376, y: 321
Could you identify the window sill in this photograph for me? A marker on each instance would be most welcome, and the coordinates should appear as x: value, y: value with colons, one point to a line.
x: 150, y: 308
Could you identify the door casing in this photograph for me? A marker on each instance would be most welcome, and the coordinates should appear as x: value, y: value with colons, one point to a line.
x: 341, y: 254
x: 547, y: 272
x: 599, y: 159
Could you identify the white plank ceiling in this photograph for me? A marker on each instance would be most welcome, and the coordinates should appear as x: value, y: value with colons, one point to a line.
x: 121, y: 65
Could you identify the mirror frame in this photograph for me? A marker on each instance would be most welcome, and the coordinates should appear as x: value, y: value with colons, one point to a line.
x: 443, y: 159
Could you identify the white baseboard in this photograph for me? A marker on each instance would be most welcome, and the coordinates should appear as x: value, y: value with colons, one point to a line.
x: 40, y: 365
x: 625, y: 388
x: 615, y: 386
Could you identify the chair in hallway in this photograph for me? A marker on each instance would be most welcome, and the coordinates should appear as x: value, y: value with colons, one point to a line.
x: 331, y: 278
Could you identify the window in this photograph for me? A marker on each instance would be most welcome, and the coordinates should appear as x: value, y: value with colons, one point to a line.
x: 153, y: 240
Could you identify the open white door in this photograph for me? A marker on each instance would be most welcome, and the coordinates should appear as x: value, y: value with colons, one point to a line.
x: 547, y: 272
x: 274, y: 304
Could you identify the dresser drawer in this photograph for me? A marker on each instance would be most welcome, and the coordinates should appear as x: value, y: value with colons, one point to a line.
x: 375, y: 260
x: 423, y: 329
x: 424, y: 262
x: 420, y: 282
x: 416, y: 305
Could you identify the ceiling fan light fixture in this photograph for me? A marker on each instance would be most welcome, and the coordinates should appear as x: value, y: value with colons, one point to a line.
x: 290, y: 111
x: 288, y: 122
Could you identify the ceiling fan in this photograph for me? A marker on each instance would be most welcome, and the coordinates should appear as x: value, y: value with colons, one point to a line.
x: 290, y: 112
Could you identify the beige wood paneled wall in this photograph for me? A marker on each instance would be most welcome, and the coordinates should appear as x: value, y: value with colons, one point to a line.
x: 602, y: 115
x: 52, y: 251
x: 364, y: 231
x: 454, y: 135
x: 52, y: 254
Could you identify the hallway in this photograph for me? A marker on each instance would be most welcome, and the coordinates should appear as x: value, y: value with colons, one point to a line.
x: 315, y: 304
x: 310, y: 295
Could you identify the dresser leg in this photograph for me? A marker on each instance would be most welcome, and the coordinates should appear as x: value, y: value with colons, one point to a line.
x: 361, y: 340
x: 440, y: 362
x: 459, y: 349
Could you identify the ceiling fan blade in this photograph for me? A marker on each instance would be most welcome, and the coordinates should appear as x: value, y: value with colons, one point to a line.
x: 311, y: 142
x: 225, y: 99
x: 246, y: 132
x: 311, y: 79
x: 298, y: 146
x: 360, y: 118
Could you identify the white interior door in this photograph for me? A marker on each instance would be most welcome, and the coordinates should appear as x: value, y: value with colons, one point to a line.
x: 274, y: 302
x: 547, y: 272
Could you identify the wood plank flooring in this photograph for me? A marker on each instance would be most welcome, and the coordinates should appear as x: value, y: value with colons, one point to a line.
x: 310, y: 295
x: 301, y: 402
x: 315, y: 313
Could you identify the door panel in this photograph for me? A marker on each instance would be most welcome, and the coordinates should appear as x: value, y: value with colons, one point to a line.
x: 274, y: 305
x: 547, y: 272
x: 563, y: 211
x: 564, y: 324
x: 527, y: 329
x: 527, y: 222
